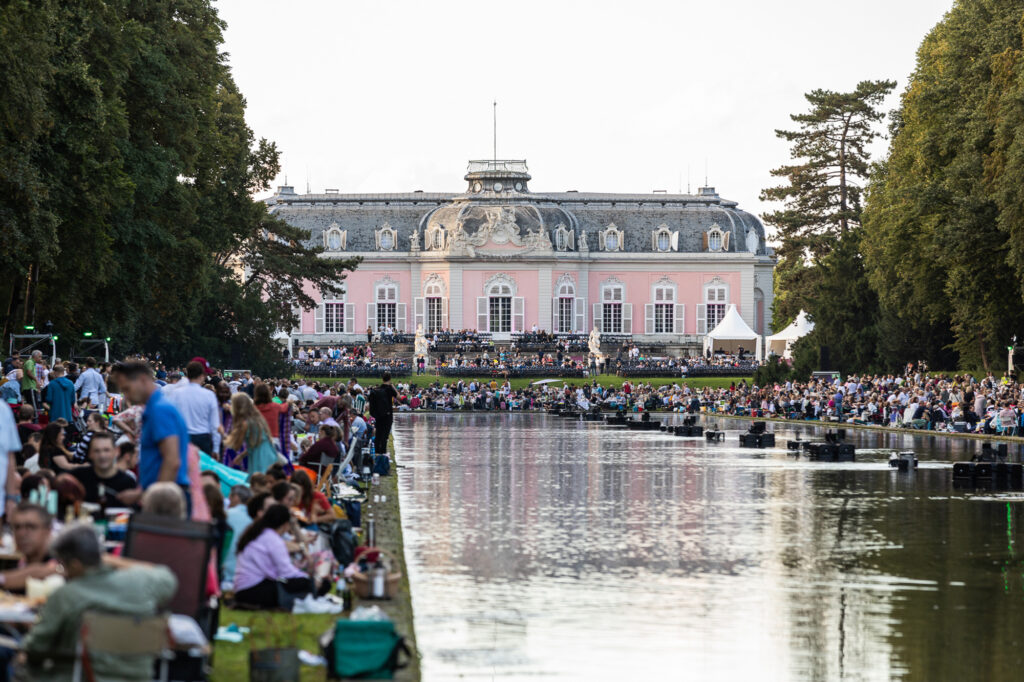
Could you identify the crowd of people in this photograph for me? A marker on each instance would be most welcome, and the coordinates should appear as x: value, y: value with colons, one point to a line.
x: 262, y: 461
x: 337, y: 360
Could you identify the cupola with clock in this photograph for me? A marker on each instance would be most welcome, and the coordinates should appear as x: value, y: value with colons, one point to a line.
x: 499, y: 176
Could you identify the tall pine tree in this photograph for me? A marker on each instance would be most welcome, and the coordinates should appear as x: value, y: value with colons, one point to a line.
x: 820, y: 269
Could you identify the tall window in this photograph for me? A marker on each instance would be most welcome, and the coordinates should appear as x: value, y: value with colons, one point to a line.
x: 437, y: 239
x: 387, y: 299
x: 611, y: 309
x: 334, y: 317
x: 716, y: 299
x: 664, y: 309
x: 566, y: 294
x: 500, y: 308
x: 435, y: 308
x: 611, y: 241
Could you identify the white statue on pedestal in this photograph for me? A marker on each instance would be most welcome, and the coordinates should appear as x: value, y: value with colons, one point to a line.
x: 422, y: 346
x: 594, y: 343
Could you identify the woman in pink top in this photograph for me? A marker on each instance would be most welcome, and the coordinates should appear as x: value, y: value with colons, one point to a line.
x: 265, y: 576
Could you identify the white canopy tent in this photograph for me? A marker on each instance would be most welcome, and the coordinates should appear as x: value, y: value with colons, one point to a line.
x: 782, y: 343
x: 731, y: 333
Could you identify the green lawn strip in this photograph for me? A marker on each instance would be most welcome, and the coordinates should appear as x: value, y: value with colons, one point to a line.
x: 605, y: 380
x: 271, y: 629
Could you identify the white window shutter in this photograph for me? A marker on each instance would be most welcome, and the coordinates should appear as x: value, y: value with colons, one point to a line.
x: 627, y: 318
x: 556, y: 310
x: 319, y: 325
x: 444, y: 313
x: 702, y: 318
x: 419, y: 307
x: 518, y: 314
x: 376, y: 237
x: 648, y: 318
x: 675, y: 240
x: 725, y: 240
x: 597, y: 317
x: 572, y: 240
x: 400, y: 317
x: 371, y: 316
x: 350, y: 318
x: 581, y: 316
x: 679, y: 323
x: 481, y: 314
x: 654, y: 240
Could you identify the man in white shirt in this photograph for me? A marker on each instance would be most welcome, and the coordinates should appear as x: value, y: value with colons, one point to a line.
x: 198, y: 406
x: 91, y: 386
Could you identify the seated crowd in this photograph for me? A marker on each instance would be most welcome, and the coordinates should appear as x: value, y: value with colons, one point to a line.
x: 251, y: 458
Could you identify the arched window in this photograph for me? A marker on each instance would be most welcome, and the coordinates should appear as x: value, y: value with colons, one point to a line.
x: 386, y: 238
x: 334, y: 239
x: 435, y: 238
x: 611, y: 238
x: 564, y: 300
x: 664, y: 239
x: 716, y: 240
x: 564, y: 239
x: 499, y: 297
x: 434, y: 295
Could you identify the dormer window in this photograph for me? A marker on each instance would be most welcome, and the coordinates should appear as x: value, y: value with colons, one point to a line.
x: 664, y: 240
x: 386, y: 238
x: 716, y: 240
x: 435, y: 238
x: 564, y: 238
x: 335, y: 239
x: 611, y: 238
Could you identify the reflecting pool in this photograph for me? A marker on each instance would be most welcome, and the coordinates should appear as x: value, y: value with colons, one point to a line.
x: 543, y: 548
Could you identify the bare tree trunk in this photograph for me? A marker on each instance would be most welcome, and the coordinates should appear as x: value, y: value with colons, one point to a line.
x: 984, y: 356
x: 12, y: 308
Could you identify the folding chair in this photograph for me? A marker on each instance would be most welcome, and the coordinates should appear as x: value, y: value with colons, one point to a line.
x: 182, y: 546
x: 121, y: 635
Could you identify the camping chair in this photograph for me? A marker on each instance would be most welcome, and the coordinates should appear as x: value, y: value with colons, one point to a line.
x: 121, y: 635
x: 182, y: 546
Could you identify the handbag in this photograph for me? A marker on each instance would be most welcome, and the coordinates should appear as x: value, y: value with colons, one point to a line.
x: 365, y: 649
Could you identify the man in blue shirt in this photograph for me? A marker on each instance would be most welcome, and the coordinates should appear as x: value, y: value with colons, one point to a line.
x: 163, y: 443
x: 59, y: 395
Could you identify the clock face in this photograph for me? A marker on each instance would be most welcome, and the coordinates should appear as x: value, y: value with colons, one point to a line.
x: 477, y: 187
x: 498, y: 187
x: 519, y: 187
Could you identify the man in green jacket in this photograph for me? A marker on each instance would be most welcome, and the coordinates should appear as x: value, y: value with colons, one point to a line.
x: 94, y: 584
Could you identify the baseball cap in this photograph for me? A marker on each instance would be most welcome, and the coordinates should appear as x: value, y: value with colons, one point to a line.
x: 202, y: 361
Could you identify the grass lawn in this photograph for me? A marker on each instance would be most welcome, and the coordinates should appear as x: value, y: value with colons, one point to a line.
x: 270, y: 630
x: 607, y: 380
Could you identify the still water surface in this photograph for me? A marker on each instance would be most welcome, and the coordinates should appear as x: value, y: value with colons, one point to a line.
x: 541, y: 548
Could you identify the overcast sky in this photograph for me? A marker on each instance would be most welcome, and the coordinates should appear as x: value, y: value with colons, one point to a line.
x: 620, y: 96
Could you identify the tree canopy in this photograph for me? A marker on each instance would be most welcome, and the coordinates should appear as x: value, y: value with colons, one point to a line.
x: 127, y: 177
x: 944, y: 221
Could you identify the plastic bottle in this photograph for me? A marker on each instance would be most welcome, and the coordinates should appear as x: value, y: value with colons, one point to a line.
x: 346, y: 594
x: 371, y: 532
x: 379, y: 578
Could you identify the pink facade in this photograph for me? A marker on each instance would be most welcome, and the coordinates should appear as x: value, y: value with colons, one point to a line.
x: 500, y: 259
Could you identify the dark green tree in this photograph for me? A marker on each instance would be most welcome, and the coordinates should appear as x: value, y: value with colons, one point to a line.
x: 943, y: 223
x: 820, y: 269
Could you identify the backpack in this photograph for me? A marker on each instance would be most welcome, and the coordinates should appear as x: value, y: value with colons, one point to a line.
x: 382, y: 464
x: 342, y: 539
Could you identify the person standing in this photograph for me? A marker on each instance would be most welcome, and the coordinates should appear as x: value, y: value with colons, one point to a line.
x: 10, y: 446
x: 59, y: 396
x: 163, y: 441
x: 382, y: 410
x: 29, y: 381
x: 91, y: 386
x: 198, y: 406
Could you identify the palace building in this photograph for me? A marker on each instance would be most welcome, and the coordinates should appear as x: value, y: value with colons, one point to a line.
x: 500, y: 258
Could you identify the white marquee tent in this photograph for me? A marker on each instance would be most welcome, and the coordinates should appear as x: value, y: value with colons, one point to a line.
x: 782, y: 343
x: 731, y: 333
